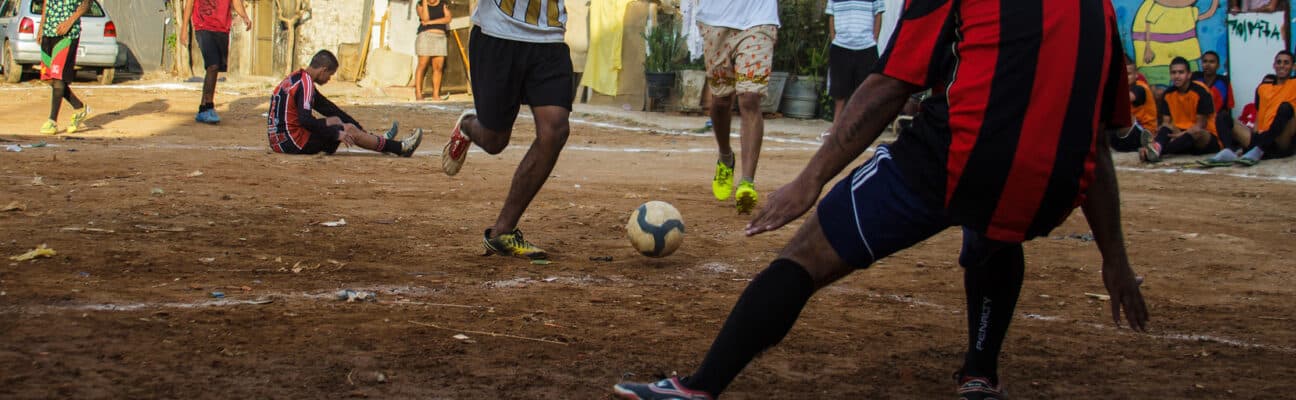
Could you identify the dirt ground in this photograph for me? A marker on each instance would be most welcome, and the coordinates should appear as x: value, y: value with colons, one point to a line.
x: 150, y: 213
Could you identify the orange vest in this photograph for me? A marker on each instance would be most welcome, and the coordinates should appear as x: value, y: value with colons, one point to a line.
x: 1270, y: 96
x: 1146, y: 114
x: 1184, y: 107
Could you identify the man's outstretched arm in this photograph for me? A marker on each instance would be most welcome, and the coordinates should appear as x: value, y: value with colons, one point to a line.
x: 875, y: 105
x: 1102, y: 210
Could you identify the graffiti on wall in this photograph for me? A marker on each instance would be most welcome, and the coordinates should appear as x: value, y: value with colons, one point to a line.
x: 1156, y: 31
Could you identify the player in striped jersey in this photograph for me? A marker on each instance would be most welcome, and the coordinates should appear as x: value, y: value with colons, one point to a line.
x: 517, y: 56
x: 1006, y: 148
x: 293, y: 129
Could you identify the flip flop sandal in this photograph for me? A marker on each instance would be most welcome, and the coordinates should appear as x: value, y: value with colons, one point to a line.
x: 1247, y: 162
x: 1213, y: 163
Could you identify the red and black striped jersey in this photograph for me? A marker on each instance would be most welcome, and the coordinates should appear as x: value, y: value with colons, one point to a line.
x: 291, y: 121
x: 1021, y: 90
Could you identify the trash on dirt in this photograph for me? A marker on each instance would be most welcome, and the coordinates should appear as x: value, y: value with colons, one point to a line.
x: 195, y: 174
x: 540, y: 262
x: 1187, y: 236
x: 218, y: 295
x: 461, y: 336
x: 38, y: 181
x: 85, y: 230
x: 207, y: 260
x: 15, y: 206
x: 1102, y: 297
x: 83, y: 274
x: 600, y: 258
x: 14, y: 148
x: 352, y: 296
x: 38, y: 252
x: 152, y: 228
x: 157, y: 192
x: 334, y: 224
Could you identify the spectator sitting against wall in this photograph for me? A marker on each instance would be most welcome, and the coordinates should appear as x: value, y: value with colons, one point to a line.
x: 1221, y: 93
x: 1187, y: 118
x: 1271, y: 137
x: 1143, y: 107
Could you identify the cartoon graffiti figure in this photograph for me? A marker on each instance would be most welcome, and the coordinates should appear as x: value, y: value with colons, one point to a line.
x: 1165, y: 29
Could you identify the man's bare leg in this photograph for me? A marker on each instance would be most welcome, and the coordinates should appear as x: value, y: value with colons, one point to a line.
x: 552, y: 129
x: 753, y: 133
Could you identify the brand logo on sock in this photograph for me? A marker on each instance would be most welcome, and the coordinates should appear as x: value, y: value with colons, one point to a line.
x: 985, y: 323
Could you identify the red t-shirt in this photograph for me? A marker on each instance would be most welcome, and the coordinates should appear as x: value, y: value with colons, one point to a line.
x: 212, y: 15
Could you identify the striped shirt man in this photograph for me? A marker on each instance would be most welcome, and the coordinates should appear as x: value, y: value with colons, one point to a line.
x: 853, y: 20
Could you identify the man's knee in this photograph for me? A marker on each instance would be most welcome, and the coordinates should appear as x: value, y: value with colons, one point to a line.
x: 749, y: 101
x: 1285, y: 110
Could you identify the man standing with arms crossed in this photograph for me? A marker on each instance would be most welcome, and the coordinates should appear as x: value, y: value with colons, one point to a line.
x: 211, y: 25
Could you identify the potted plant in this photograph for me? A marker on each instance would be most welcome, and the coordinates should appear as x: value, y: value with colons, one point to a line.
x: 665, y: 53
x: 803, y: 38
x: 801, y: 98
x: 692, y: 81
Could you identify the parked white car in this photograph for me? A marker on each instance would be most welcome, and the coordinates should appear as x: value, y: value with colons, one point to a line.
x: 98, y: 50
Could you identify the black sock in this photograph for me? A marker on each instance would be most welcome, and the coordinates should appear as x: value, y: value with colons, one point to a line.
x: 58, y: 92
x: 206, y: 106
x: 762, y: 317
x: 1224, y: 126
x: 389, y: 146
x: 992, y: 289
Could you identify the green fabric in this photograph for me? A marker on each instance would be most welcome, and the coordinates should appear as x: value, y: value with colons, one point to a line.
x: 48, y: 58
x: 57, y: 11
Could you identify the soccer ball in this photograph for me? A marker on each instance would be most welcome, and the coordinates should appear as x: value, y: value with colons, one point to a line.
x: 655, y: 229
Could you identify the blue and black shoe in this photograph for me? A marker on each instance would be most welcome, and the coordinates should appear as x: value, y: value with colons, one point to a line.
x: 665, y: 389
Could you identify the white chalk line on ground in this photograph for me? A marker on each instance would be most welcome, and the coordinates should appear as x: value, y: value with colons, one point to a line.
x: 1186, y: 337
x: 407, y: 292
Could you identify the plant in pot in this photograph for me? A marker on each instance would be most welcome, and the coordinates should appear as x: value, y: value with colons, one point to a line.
x: 665, y: 53
x: 804, y: 37
x: 801, y: 98
x: 692, y: 81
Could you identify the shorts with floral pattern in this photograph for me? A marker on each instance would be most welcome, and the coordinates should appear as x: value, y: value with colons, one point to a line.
x: 738, y: 60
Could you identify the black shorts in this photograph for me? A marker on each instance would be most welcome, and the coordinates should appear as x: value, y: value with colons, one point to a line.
x: 848, y: 68
x: 215, y: 49
x: 315, y: 144
x: 508, y: 73
x: 68, y: 63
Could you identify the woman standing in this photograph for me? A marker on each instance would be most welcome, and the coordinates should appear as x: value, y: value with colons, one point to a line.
x: 430, y: 45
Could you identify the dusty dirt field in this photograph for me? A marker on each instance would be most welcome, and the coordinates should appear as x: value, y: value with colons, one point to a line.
x: 127, y: 313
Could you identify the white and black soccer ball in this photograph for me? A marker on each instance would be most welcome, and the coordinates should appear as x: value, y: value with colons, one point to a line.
x: 656, y: 229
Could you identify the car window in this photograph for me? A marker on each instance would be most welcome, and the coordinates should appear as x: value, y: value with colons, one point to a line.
x: 5, y: 8
x: 95, y: 9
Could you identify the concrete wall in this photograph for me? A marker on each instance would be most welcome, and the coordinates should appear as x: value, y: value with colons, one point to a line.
x: 332, y: 23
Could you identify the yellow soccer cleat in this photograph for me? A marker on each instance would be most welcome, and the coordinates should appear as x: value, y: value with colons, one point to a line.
x: 722, y: 184
x: 78, y: 118
x: 747, y: 197
x: 50, y: 128
x: 512, y: 244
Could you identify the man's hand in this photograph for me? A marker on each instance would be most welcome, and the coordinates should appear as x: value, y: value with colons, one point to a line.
x: 65, y: 26
x: 1123, y: 287
x: 348, y: 134
x: 786, y: 204
x: 247, y: 22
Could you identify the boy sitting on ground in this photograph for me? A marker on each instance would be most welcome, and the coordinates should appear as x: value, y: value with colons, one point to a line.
x: 293, y: 129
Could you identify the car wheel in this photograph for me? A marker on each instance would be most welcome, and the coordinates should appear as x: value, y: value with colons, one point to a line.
x: 13, y: 71
x: 106, y: 75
